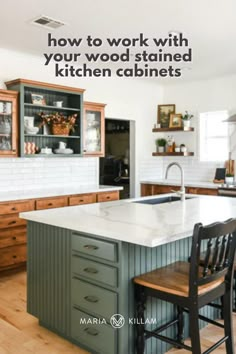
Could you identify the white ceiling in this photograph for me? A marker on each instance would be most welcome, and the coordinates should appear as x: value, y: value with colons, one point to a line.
x: 208, y: 24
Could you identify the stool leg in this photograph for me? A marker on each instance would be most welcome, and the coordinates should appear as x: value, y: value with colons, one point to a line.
x: 140, y: 326
x: 180, y: 325
x: 234, y: 292
x: 194, y: 330
x: 228, y: 322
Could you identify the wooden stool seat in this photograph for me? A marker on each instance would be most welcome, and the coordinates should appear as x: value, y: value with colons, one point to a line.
x: 189, y: 286
x: 174, y: 279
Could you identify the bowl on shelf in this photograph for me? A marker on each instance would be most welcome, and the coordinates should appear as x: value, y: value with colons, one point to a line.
x: 64, y: 151
x: 31, y: 130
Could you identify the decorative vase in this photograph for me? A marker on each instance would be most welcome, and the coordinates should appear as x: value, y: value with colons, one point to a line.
x: 229, y: 180
x: 186, y: 123
x: 161, y: 148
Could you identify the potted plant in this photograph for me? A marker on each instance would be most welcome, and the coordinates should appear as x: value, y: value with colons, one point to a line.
x: 60, y: 124
x: 229, y: 178
x: 186, y: 119
x: 161, y: 143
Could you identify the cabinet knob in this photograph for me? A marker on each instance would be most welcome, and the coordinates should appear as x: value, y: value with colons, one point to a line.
x: 108, y: 197
x: 91, y: 247
x: 12, y: 222
x: 14, y: 208
x: 90, y: 298
x: 91, y: 270
x: 14, y: 256
x: 14, y: 238
x: 81, y: 200
x: 91, y: 331
x: 50, y: 204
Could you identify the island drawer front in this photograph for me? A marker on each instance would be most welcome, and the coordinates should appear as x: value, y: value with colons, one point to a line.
x: 95, y: 271
x: 82, y: 199
x: 94, y: 247
x: 13, y: 255
x: 16, y: 207
x: 93, y: 298
x: 13, y: 236
x: 11, y: 220
x: 48, y: 203
x: 98, y: 337
x: 108, y: 196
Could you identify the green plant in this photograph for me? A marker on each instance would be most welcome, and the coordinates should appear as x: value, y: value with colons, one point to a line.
x: 161, y: 142
x: 229, y: 175
x: 187, y: 116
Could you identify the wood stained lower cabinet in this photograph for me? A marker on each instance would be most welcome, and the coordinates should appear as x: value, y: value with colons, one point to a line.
x: 153, y: 189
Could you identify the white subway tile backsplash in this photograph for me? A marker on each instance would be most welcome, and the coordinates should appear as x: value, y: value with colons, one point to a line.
x: 44, y: 173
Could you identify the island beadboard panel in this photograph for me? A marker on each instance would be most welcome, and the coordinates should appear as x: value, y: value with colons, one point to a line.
x: 52, y: 298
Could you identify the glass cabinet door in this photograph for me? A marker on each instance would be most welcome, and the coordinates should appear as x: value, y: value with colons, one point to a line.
x: 8, y: 124
x: 93, y: 129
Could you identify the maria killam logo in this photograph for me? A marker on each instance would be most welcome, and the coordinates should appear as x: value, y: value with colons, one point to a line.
x: 117, y: 320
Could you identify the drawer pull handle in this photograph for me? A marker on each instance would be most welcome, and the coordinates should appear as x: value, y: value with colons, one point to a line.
x: 14, y: 256
x: 14, y: 208
x: 12, y: 222
x: 108, y: 197
x: 92, y: 299
x: 91, y: 270
x: 50, y: 204
x: 91, y: 331
x: 81, y: 200
x: 14, y: 237
x: 91, y: 247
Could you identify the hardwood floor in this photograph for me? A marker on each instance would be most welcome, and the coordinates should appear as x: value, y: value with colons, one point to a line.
x: 21, y: 334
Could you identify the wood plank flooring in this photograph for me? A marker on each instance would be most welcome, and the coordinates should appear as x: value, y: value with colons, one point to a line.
x: 21, y: 334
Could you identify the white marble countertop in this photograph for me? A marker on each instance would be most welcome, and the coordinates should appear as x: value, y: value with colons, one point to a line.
x: 141, y: 224
x: 38, y: 193
x: 177, y: 182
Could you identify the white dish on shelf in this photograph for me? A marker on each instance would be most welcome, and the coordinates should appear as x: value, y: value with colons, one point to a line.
x: 63, y: 151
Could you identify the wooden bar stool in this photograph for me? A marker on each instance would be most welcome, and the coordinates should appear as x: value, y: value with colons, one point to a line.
x: 220, y: 306
x: 191, y: 286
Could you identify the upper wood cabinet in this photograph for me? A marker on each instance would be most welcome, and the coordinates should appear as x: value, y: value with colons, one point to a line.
x: 94, y: 129
x: 59, y: 104
x: 8, y: 123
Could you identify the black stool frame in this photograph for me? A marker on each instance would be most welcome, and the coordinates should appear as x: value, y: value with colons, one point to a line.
x: 218, y: 263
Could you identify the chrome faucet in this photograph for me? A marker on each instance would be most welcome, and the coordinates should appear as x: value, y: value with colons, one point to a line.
x: 181, y: 192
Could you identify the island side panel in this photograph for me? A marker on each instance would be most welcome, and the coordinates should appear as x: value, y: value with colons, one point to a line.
x: 48, y: 276
x: 138, y: 260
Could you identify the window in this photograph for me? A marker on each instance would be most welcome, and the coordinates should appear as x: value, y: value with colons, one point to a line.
x: 214, y: 136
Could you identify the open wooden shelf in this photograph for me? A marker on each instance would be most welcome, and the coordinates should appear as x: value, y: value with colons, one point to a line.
x: 173, y: 154
x: 156, y: 130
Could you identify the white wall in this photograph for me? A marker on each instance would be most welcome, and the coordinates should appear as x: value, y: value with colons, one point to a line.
x: 197, y: 97
x: 126, y: 98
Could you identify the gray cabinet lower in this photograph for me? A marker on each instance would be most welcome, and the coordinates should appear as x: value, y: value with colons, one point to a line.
x: 74, y: 293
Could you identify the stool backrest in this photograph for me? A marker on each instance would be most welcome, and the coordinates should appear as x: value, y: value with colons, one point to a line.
x: 220, y: 240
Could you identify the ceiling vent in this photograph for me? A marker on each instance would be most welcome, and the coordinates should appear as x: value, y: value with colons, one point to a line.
x: 47, y: 22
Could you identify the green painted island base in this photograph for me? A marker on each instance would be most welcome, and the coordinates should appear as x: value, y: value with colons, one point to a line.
x: 77, y: 280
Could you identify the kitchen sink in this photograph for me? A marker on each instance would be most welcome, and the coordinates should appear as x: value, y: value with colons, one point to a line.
x: 153, y: 201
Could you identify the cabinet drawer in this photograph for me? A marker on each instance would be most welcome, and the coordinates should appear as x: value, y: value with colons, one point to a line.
x: 82, y: 199
x: 12, y: 255
x: 94, y: 271
x: 93, y: 298
x: 106, y: 197
x: 208, y: 191
x: 48, y: 203
x: 86, y: 330
x: 94, y: 247
x: 13, y: 236
x: 192, y: 190
x: 11, y: 220
x: 16, y: 207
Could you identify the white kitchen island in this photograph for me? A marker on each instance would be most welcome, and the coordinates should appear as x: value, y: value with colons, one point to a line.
x: 81, y: 261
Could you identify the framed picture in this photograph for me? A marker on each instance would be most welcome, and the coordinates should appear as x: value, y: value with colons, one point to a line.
x: 164, y: 112
x: 38, y: 99
x: 175, y: 120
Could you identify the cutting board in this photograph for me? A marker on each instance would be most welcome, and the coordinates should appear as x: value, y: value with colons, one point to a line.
x: 229, y: 164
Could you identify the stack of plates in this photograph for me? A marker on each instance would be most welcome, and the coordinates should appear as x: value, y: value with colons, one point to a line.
x: 63, y: 151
